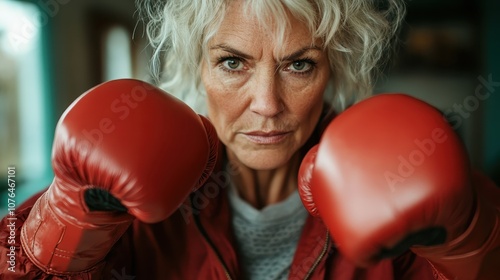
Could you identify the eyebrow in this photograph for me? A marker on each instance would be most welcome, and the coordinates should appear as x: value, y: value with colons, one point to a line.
x: 293, y: 56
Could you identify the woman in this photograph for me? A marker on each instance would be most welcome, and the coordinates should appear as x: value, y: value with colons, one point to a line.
x: 269, y: 75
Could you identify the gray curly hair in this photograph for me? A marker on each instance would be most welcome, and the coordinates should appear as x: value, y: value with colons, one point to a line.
x: 358, y: 35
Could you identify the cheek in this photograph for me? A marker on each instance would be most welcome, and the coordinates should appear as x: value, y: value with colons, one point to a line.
x: 216, y: 108
x: 309, y: 103
x: 222, y: 111
x: 310, y: 113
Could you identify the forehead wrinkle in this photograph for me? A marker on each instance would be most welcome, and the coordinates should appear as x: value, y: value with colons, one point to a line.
x: 245, y: 37
x: 258, y: 38
x: 297, y: 54
x: 240, y: 40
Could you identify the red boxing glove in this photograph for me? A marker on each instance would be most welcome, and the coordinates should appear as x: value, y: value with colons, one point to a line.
x: 388, y: 173
x: 123, y: 145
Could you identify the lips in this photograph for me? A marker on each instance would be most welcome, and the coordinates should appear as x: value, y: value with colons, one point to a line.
x: 267, y: 138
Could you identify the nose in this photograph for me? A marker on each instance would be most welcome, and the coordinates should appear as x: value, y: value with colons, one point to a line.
x: 266, y: 98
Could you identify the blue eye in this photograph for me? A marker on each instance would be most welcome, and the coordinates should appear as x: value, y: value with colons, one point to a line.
x: 232, y: 63
x: 300, y: 66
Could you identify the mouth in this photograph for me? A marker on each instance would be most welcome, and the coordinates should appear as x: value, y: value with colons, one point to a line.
x: 267, y: 138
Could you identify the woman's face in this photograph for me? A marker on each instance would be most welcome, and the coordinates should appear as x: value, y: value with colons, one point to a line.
x: 263, y: 101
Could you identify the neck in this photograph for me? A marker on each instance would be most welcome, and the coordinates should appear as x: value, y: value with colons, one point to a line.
x: 265, y: 187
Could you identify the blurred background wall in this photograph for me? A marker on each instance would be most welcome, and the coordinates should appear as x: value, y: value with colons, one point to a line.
x: 51, y: 51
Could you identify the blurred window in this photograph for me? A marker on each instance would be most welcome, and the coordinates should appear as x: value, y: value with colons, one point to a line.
x: 117, y: 53
x: 23, y: 113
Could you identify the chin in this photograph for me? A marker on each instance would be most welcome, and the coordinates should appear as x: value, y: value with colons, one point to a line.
x: 265, y: 159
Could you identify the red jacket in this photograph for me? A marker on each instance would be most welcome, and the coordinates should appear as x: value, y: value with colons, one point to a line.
x: 197, y: 242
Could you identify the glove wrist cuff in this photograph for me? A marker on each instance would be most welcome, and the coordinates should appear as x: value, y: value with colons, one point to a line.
x: 466, y: 254
x: 60, y: 247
